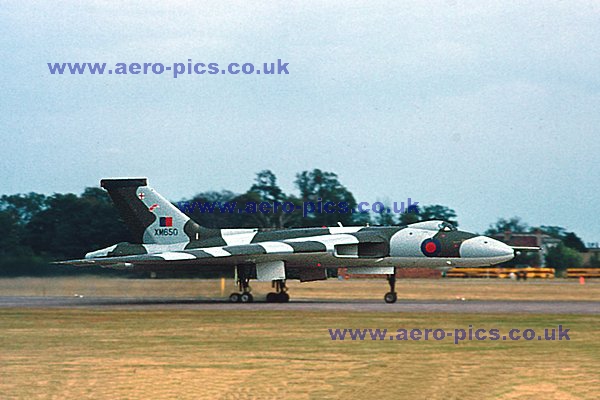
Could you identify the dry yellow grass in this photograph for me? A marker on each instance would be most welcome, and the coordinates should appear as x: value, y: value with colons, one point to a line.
x: 190, y: 354
x: 413, y: 289
x: 182, y: 354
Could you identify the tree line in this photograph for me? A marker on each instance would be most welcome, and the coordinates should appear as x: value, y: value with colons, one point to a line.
x: 39, y: 229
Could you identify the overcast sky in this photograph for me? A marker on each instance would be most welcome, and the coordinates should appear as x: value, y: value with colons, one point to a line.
x: 492, y: 109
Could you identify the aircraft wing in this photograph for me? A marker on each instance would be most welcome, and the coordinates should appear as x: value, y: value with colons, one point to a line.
x: 291, y: 250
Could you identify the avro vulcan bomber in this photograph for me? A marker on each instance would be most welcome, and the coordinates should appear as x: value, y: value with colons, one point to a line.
x: 165, y: 239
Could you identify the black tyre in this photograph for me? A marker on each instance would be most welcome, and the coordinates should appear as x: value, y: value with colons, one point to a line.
x: 390, y: 297
x: 284, y: 297
x: 246, y: 298
x: 271, y: 297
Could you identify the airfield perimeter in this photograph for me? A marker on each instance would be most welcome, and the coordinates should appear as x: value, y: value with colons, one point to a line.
x: 73, y: 338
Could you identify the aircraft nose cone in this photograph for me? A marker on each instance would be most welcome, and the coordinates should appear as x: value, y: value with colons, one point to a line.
x: 485, y: 247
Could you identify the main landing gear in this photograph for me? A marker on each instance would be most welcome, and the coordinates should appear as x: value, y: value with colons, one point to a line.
x: 391, y: 296
x: 281, y: 295
x: 243, y: 275
x: 245, y: 296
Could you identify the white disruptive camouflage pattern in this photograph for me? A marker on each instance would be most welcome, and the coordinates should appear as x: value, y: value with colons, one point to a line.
x: 166, y: 239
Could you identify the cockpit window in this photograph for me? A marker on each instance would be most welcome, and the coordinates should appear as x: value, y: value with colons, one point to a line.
x: 447, y: 227
x: 434, y: 225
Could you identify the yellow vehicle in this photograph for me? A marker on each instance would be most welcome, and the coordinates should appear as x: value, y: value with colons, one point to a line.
x: 583, y: 272
x: 502, y: 273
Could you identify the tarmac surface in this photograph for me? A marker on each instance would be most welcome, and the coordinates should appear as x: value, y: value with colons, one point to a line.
x: 424, y: 306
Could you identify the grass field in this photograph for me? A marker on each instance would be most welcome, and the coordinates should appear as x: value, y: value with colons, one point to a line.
x: 178, y: 354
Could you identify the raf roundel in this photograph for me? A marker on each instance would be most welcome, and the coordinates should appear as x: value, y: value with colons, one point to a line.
x: 431, y: 247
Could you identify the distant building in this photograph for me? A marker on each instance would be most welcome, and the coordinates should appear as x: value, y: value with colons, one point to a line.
x: 591, y: 257
x: 533, y: 239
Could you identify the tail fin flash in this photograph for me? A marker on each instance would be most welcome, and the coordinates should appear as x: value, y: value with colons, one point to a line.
x: 149, y: 216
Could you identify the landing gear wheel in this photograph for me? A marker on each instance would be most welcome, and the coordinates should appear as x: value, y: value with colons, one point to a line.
x: 280, y: 296
x: 243, y: 280
x: 390, y: 297
x: 246, y: 298
x: 271, y: 297
x: 283, y: 297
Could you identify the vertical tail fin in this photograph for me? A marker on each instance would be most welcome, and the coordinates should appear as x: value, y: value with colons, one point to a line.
x: 149, y: 216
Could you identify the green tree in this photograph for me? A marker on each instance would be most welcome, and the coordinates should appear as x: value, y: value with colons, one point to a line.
x: 265, y: 185
x: 195, y: 209
x: 569, y: 239
x: 16, y: 256
x: 23, y: 206
x: 557, y: 232
x: 384, y: 218
x: 71, y: 226
x: 561, y: 257
x: 318, y: 186
x: 12, y: 232
x: 265, y: 189
x: 43, y: 228
x: 436, y: 211
x: 514, y: 224
x: 573, y: 241
x: 410, y: 216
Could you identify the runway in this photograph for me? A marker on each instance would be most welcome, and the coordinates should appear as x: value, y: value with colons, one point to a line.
x: 412, y: 306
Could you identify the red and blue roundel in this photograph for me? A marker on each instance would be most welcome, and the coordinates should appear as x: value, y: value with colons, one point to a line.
x: 431, y: 247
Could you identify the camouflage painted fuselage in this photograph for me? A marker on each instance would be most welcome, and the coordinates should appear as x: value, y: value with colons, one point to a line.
x: 168, y: 239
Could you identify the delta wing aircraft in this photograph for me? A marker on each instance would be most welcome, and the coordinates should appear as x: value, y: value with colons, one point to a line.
x: 166, y: 239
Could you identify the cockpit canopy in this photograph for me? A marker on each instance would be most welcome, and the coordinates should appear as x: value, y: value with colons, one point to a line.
x: 435, y: 225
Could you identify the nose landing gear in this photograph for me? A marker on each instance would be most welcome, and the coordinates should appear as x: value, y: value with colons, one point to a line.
x: 391, y: 296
